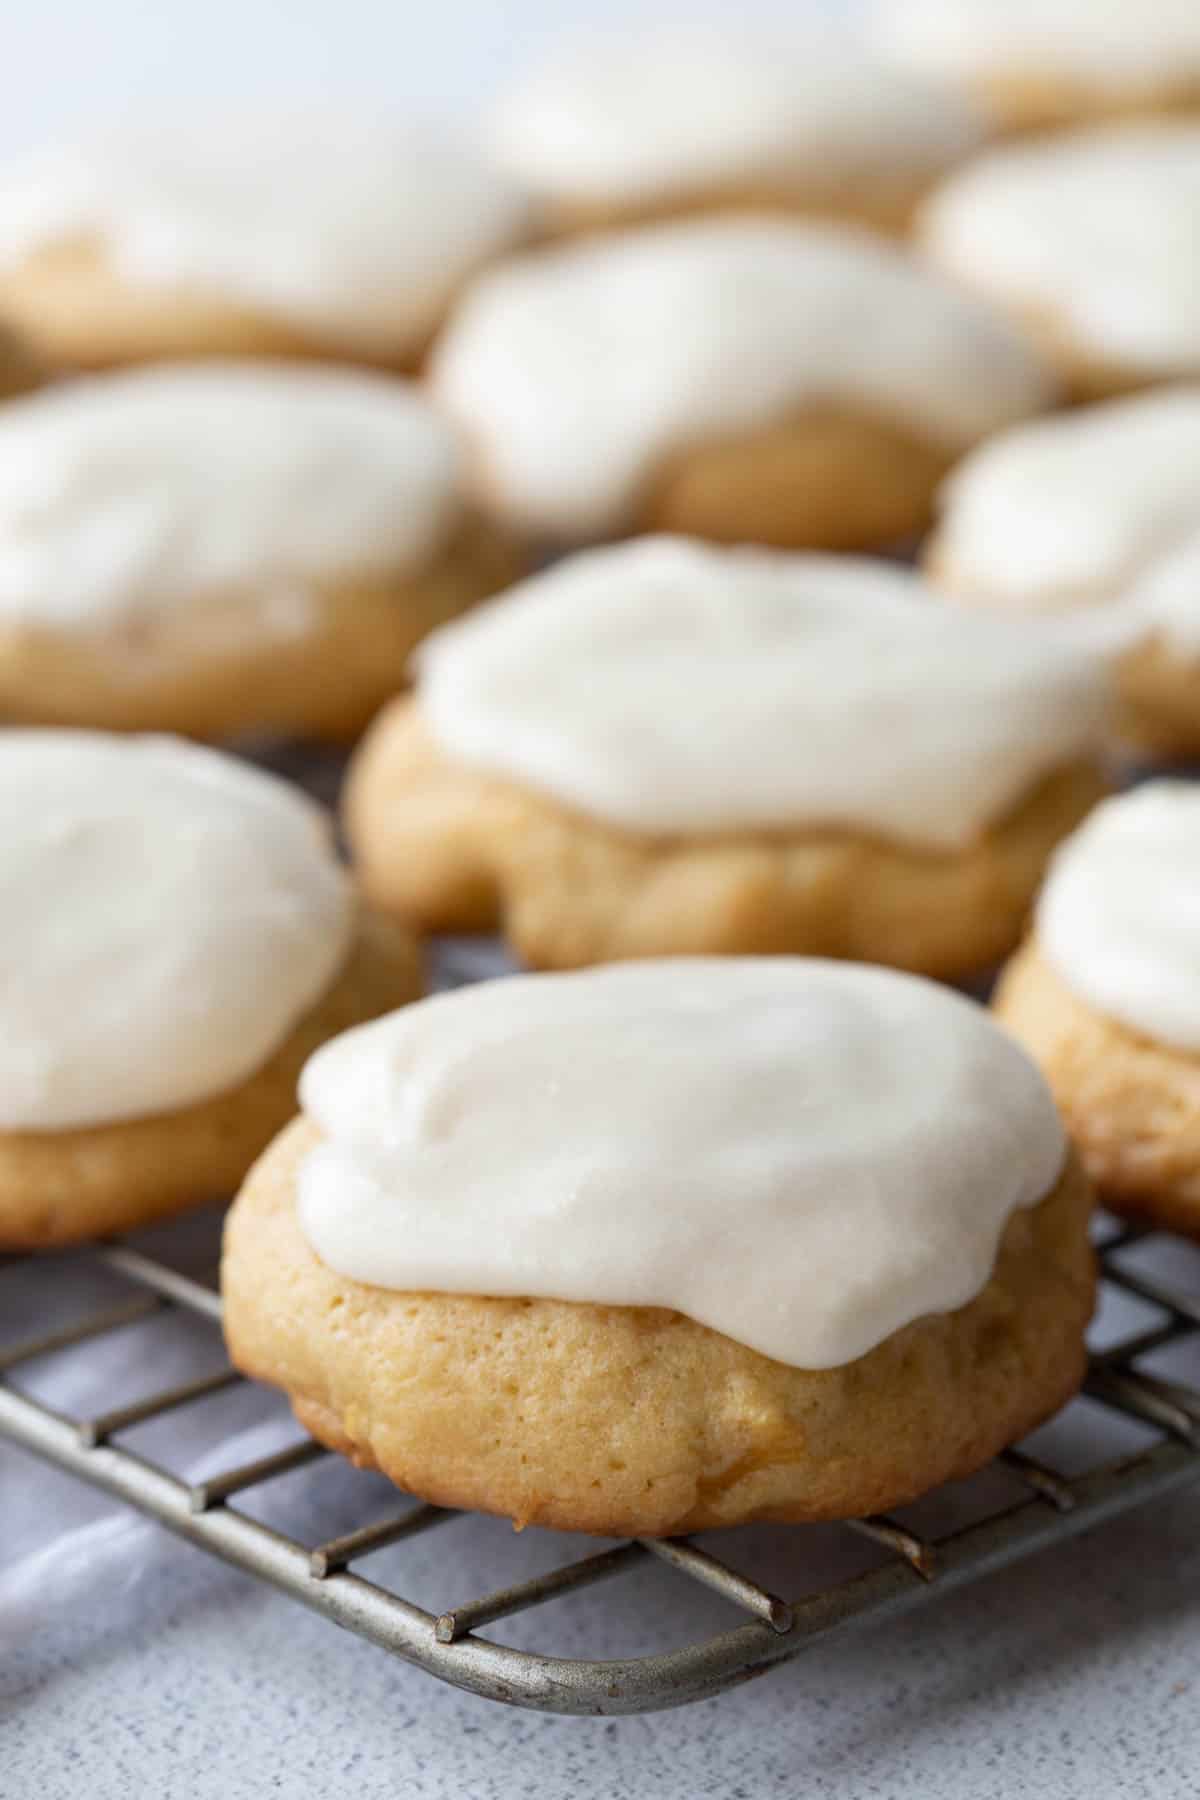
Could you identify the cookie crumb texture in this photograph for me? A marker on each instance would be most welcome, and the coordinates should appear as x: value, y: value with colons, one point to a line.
x: 1131, y: 1106
x: 452, y: 849
x: 638, y: 1421
x: 62, y: 1187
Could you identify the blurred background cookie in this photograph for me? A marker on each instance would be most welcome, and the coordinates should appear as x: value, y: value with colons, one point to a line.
x: 267, y: 238
x: 1033, y: 63
x: 179, y: 937
x: 19, y: 368
x: 734, y: 379
x: 1095, y: 515
x: 865, y: 1269
x: 228, y: 547
x: 698, y: 117
x: 1106, y: 996
x: 664, y: 748
x: 1091, y: 242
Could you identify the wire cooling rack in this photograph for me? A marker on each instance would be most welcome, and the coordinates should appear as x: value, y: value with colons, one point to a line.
x: 912, y: 1571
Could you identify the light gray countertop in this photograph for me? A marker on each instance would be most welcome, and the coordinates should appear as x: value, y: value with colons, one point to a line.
x: 1074, y: 1675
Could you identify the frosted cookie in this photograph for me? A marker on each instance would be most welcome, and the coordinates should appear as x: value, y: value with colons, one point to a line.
x: 179, y: 937
x: 733, y: 378
x: 864, y: 1269
x: 699, y: 117
x: 228, y: 547
x: 1106, y: 996
x: 266, y: 238
x: 662, y: 749
x: 1034, y: 63
x: 1095, y: 514
x: 1091, y: 242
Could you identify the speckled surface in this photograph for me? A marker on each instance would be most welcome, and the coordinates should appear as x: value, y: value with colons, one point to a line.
x: 1078, y: 1677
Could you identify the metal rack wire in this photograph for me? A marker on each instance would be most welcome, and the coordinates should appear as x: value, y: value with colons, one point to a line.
x: 913, y: 1571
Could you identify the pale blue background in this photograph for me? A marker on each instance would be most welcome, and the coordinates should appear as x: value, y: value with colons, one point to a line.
x: 63, y: 62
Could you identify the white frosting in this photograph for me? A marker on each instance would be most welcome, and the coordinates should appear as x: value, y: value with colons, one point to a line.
x: 805, y: 1156
x: 1119, y: 916
x: 635, y: 117
x: 1097, y: 505
x: 667, y: 686
x: 1100, y: 228
x: 132, y: 492
x: 1108, y: 44
x: 357, y: 230
x: 168, y: 914
x: 581, y: 370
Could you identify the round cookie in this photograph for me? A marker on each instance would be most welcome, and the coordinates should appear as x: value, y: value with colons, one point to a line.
x: 1094, y: 517
x: 1091, y: 242
x: 259, y: 238
x: 180, y: 938
x: 1037, y: 63
x: 219, y: 548
x: 619, y: 127
x: 738, y: 379
x: 1105, y: 996
x: 662, y: 748
x: 865, y: 1269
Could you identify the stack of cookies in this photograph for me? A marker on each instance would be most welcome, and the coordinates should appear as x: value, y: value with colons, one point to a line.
x: 670, y: 502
